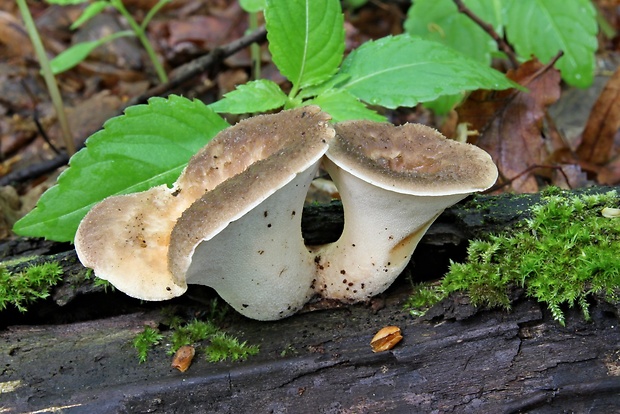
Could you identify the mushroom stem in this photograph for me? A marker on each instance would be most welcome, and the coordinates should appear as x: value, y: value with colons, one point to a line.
x: 258, y: 263
x: 381, y: 230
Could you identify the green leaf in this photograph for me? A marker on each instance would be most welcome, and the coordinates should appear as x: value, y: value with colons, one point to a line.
x: 440, y: 21
x: 148, y: 146
x: 91, y: 11
x: 306, y: 39
x: 332, y: 83
x: 77, y: 53
x: 252, y: 6
x: 544, y: 27
x: 444, y: 103
x: 258, y: 96
x: 342, y: 106
x: 66, y: 2
x: 404, y: 70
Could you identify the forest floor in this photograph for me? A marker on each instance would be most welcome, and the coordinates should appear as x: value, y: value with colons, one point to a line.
x: 73, y: 351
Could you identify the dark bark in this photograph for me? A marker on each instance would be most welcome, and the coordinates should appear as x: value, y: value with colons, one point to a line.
x: 459, y: 359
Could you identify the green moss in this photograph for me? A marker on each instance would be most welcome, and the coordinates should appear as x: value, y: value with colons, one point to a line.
x: 190, y: 333
x: 35, y: 282
x: 145, y: 340
x: 218, y: 345
x: 564, y: 252
x: 223, y: 346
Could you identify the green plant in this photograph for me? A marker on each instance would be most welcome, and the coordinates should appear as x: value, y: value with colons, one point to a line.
x: 78, y: 52
x: 48, y: 76
x: 151, y: 144
x: 565, y: 252
x: 253, y: 7
x: 306, y: 40
x: 532, y: 28
x: 35, y: 282
x: 145, y: 340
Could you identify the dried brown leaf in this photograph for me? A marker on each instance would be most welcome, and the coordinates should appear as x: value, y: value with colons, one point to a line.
x: 14, y: 39
x: 510, y: 122
x: 598, y: 136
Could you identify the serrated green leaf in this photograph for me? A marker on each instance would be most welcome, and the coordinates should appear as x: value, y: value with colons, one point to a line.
x: 252, y: 6
x: 544, y: 27
x: 343, y: 106
x: 306, y: 39
x: 257, y: 96
x: 332, y: 83
x: 148, y: 146
x: 404, y: 70
x: 77, y: 53
x: 89, y: 12
x: 440, y: 21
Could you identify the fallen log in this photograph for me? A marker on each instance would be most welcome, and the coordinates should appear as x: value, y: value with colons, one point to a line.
x: 457, y: 359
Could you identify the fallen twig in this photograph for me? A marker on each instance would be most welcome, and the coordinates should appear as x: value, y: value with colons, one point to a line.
x: 501, y: 43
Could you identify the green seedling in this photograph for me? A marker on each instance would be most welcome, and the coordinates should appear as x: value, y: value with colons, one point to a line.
x: 306, y: 40
x: 48, y: 75
x: 23, y: 288
x: 564, y: 253
x: 79, y: 52
x: 253, y: 7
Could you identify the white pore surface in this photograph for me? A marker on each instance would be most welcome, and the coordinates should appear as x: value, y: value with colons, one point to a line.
x: 259, y: 263
x: 381, y: 230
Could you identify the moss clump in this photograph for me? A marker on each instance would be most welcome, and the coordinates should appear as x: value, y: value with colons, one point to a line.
x: 145, y: 340
x: 35, y: 282
x: 219, y: 345
x: 563, y: 253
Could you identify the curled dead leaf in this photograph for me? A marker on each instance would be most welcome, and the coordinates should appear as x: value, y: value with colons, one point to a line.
x: 386, y: 339
x: 510, y: 123
x: 183, y: 358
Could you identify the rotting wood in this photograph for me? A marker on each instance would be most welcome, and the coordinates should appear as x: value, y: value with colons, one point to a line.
x: 457, y: 359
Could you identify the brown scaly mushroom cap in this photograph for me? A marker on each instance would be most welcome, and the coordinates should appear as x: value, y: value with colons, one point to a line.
x: 126, y: 239
x: 394, y: 182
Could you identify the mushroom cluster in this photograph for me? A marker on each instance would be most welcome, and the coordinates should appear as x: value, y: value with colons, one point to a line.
x: 232, y: 221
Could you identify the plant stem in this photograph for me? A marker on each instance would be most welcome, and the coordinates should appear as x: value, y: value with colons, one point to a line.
x: 149, y: 16
x: 255, y: 48
x: 501, y: 43
x: 50, y: 80
x: 141, y: 34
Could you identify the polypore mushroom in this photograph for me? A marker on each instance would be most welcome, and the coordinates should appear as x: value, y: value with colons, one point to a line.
x: 393, y: 182
x: 231, y: 221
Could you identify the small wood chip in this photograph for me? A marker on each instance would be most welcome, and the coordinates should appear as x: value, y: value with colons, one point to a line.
x: 386, y: 339
x: 183, y: 358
